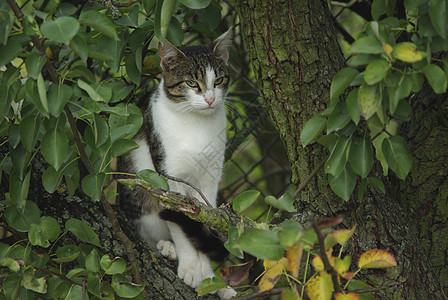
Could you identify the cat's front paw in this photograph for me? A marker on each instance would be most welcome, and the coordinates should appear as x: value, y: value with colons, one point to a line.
x: 190, y: 273
x: 167, y: 249
x: 226, y: 293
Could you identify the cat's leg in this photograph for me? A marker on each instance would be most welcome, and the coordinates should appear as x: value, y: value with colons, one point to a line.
x: 193, y: 266
x: 156, y: 233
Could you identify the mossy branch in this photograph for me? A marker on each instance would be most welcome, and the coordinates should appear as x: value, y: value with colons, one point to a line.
x: 219, y: 218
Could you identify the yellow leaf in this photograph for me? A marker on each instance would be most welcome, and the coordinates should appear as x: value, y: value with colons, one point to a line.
x: 342, y: 235
x: 268, y: 263
x: 273, y: 273
x: 349, y: 296
x: 387, y: 49
x: 376, y: 259
x: 407, y: 52
x: 342, y: 265
x: 317, y: 262
x: 294, y: 256
x: 320, y: 287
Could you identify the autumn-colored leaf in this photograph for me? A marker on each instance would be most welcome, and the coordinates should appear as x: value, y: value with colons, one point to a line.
x: 348, y: 296
x: 342, y: 235
x: 407, y: 52
x: 318, y: 263
x: 294, y: 256
x: 236, y: 274
x: 329, y: 222
x: 342, y: 265
x: 376, y: 259
x: 320, y: 287
x: 274, y: 270
x: 348, y: 275
x: 387, y: 49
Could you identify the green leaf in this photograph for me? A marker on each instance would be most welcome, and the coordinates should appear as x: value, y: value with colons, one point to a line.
x: 285, y: 202
x: 79, y: 46
x: 120, y: 147
x: 18, y: 189
x: 42, y: 90
x: 245, y: 200
x: 29, y: 131
x: 378, y: 9
x: 338, y: 157
x: 262, y: 244
x: 375, y: 71
x: 341, y: 81
x: 93, y: 261
x: 82, y: 231
x: 210, y: 285
x: 10, y: 50
x: 115, y: 266
x: 61, y: 30
x: 54, y: 147
x: 156, y: 180
x: 58, y: 96
x: 368, y: 45
x: 369, y: 100
x: 51, y: 179
x: 132, y: 69
x: 100, y: 130
x: 353, y: 107
x: 231, y: 244
x: 30, y: 282
x: 126, y: 125
x: 339, y: 118
x: 398, y: 155
x: 99, y: 22
x: 21, y: 221
x: 313, y: 127
x: 47, y: 230
x: 93, y: 185
x: 67, y: 253
x: 344, y: 184
x: 34, y: 64
x: 436, y: 78
x: 210, y: 16
x: 401, y: 91
x: 93, y: 285
x: 438, y: 16
x: 93, y: 94
x: 124, y: 288
x: 361, y: 156
x: 195, y: 4
x: 10, y: 263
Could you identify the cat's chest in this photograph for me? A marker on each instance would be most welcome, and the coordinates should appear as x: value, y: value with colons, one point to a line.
x: 190, y: 136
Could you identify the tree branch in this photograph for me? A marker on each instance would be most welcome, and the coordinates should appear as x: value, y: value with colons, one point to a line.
x: 218, y: 218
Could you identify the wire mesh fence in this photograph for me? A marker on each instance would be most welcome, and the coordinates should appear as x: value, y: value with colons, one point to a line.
x: 255, y: 155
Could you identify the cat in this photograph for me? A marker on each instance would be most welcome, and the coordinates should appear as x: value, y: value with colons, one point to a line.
x: 183, y: 136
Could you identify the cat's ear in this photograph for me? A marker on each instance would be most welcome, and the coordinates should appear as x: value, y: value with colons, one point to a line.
x: 221, y: 45
x: 168, y: 54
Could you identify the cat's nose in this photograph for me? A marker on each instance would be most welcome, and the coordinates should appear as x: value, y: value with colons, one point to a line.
x: 210, y: 100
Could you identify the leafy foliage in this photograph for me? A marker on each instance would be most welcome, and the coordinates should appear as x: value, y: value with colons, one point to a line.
x: 83, y: 63
x: 388, y: 62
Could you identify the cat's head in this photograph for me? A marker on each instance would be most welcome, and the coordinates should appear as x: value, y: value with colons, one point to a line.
x: 196, y: 78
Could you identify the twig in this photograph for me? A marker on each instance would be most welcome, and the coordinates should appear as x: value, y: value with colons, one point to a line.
x: 313, y: 173
x: 261, y: 294
x: 127, y: 244
x: 328, y: 268
x: 62, y: 276
x: 189, y: 184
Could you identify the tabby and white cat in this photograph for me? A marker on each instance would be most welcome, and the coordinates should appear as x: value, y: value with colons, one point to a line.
x: 183, y: 136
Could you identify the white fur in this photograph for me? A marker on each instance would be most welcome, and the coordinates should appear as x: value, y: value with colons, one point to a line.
x: 193, y: 136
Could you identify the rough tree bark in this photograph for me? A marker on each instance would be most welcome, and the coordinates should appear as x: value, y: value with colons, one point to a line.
x: 294, y: 51
x: 156, y: 271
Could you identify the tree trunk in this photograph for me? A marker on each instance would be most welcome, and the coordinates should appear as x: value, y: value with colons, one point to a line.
x: 294, y: 51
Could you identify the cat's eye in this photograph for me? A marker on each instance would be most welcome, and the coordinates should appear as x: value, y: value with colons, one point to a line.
x: 219, y: 80
x: 192, y: 83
